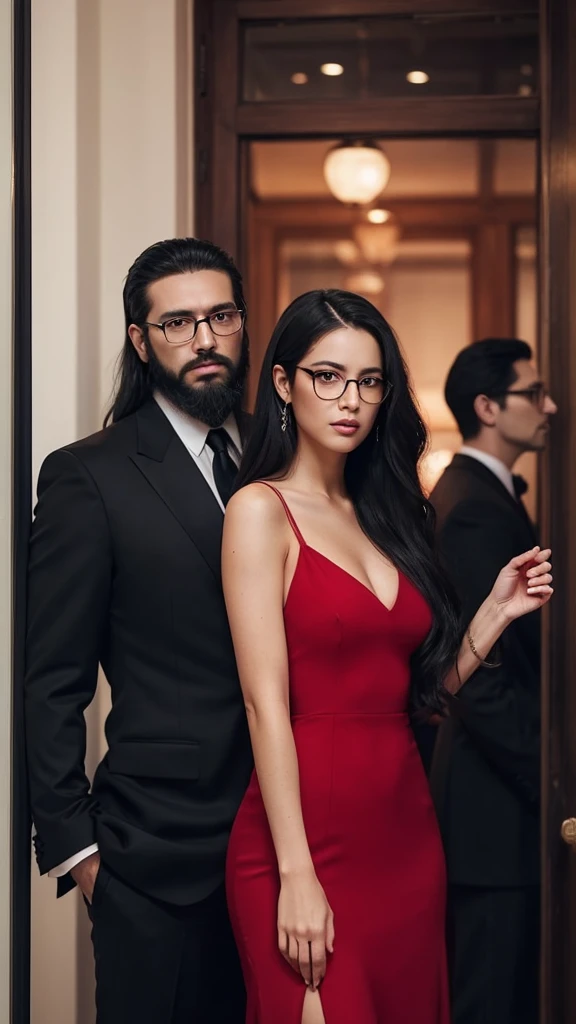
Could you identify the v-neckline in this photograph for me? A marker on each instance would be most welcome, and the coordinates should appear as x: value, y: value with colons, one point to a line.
x: 306, y: 547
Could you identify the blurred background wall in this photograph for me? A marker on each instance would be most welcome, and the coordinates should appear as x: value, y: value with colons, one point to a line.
x: 105, y: 165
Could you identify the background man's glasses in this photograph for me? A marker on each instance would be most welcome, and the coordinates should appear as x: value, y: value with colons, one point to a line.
x: 328, y: 385
x: 537, y: 394
x: 181, y: 329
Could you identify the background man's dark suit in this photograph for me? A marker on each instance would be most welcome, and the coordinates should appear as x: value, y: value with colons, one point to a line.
x: 125, y: 571
x: 485, y: 774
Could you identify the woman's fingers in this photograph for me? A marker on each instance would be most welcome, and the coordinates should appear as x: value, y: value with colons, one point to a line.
x: 330, y: 934
x: 288, y: 946
x: 539, y: 575
x: 539, y: 570
x: 540, y: 590
x: 527, y: 556
x: 312, y: 955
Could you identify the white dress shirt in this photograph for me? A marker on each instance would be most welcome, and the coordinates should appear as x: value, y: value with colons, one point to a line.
x: 499, y: 468
x: 193, y: 434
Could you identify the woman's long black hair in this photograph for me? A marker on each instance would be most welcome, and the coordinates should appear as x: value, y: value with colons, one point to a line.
x: 381, y: 475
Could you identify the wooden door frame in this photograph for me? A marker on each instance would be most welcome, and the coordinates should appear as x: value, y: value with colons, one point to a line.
x: 222, y: 124
x: 223, y: 120
x: 558, y: 334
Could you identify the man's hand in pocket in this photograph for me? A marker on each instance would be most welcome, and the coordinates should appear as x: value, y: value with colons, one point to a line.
x: 84, y: 874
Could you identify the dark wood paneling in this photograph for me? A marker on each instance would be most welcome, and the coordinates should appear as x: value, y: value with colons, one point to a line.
x: 558, y: 277
x: 266, y: 9
x: 423, y: 115
x: 225, y: 163
x: 493, y: 287
x: 438, y: 212
x: 203, y: 116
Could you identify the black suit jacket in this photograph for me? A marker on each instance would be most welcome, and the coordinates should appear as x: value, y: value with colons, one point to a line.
x: 486, y: 768
x: 125, y: 572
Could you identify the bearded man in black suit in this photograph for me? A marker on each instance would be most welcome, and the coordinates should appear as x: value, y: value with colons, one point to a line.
x: 125, y: 573
x: 486, y: 767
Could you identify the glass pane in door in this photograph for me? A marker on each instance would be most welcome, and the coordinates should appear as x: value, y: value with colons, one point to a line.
x: 353, y: 58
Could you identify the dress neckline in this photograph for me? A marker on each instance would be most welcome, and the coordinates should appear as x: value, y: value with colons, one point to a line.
x: 314, y: 551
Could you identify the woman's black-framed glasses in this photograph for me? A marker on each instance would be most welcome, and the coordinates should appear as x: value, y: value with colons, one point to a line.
x: 181, y: 329
x: 329, y: 385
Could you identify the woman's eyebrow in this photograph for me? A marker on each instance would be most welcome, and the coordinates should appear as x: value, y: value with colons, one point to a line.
x: 338, y: 366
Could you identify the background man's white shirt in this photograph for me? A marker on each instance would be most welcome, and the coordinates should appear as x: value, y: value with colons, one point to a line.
x: 499, y: 468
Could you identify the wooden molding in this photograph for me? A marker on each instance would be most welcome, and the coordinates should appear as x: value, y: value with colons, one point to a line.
x: 396, y: 115
x: 270, y: 9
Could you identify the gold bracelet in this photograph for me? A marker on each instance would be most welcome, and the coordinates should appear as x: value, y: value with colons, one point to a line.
x: 473, y: 648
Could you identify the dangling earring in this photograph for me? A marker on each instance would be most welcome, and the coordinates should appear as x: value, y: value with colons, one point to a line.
x: 284, y: 418
x: 377, y: 433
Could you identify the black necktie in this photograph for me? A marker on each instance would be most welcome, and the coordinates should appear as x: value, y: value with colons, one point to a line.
x: 520, y: 486
x: 223, y: 465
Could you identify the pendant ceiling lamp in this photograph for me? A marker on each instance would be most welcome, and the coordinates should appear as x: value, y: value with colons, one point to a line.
x: 356, y: 172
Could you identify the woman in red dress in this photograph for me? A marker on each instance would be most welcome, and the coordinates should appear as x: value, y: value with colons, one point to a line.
x: 343, y: 623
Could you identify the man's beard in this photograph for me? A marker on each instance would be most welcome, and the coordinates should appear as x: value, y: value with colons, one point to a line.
x: 211, y: 402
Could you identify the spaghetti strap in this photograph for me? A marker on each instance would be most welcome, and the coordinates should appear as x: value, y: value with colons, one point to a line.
x: 289, y: 515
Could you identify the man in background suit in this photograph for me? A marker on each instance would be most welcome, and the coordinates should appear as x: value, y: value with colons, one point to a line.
x: 486, y: 768
x: 125, y: 572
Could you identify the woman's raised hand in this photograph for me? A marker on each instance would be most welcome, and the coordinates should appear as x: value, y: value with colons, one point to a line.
x: 305, y: 926
x: 524, y: 585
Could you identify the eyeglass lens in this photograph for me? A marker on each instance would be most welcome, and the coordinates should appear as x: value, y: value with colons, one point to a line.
x: 183, y: 328
x: 330, y: 385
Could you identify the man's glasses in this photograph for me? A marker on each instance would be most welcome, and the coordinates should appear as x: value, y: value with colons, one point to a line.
x: 181, y: 329
x: 329, y: 385
x: 537, y: 394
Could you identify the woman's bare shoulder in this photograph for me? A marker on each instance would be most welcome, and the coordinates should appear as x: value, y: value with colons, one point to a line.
x: 258, y: 504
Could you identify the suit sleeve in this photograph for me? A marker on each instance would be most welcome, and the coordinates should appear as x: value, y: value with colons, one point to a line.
x: 493, y: 706
x: 69, y: 579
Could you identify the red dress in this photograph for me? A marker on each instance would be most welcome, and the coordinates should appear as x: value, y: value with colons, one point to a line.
x: 368, y: 813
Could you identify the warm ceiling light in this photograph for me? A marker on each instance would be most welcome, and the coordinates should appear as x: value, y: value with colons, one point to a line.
x: 356, y: 172
x: 378, y: 216
x: 346, y: 251
x: 332, y: 70
x: 417, y: 77
x: 378, y: 243
x: 299, y: 78
x: 365, y: 282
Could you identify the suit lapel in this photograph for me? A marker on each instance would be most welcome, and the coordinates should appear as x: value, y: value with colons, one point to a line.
x: 171, y: 471
x: 488, y: 477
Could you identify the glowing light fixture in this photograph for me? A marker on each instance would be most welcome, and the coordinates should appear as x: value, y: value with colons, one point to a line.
x: 356, y: 172
x: 365, y: 282
x: 417, y: 77
x: 332, y: 70
x: 299, y: 78
x: 378, y: 216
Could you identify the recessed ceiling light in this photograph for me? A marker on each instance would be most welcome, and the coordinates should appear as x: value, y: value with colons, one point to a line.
x: 526, y: 69
x: 299, y: 78
x: 417, y: 77
x: 332, y: 70
x: 524, y: 90
x: 378, y: 216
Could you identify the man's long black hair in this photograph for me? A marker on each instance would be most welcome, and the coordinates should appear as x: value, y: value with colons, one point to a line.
x: 381, y: 475
x: 173, y: 256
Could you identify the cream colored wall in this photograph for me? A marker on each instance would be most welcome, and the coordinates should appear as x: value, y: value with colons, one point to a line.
x: 106, y: 156
x: 6, y: 242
